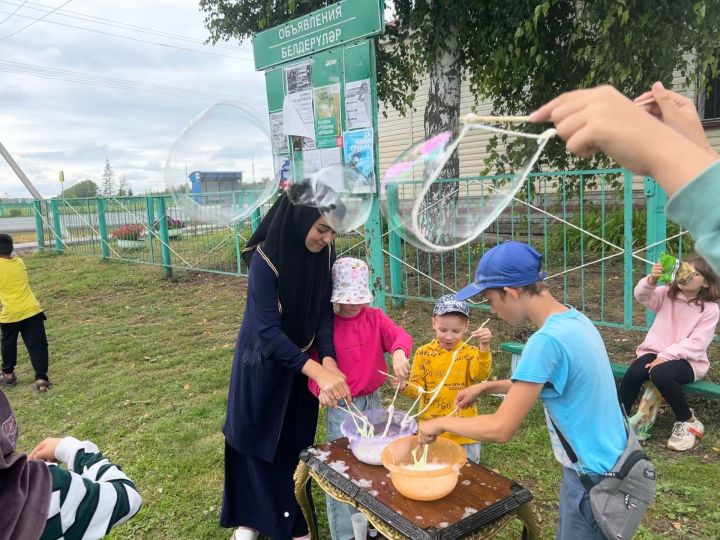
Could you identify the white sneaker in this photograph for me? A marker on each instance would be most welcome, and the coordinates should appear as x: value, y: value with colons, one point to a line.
x: 685, y: 435
x: 243, y: 533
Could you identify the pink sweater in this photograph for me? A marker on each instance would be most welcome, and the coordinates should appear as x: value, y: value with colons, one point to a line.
x: 361, y: 343
x: 680, y: 331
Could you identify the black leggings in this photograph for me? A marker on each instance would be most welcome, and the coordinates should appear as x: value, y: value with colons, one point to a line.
x: 32, y: 331
x: 667, y: 377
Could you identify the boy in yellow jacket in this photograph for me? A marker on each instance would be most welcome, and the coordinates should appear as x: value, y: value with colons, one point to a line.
x: 21, y: 314
x: 451, y: 319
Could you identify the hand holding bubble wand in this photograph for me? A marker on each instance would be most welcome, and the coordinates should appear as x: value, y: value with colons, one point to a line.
x: 430, y: 212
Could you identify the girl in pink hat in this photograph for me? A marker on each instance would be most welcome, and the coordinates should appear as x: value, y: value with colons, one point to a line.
x: 363, y: 335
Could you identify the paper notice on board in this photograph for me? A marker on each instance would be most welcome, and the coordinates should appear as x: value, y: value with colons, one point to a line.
x: 358, y: 107
x: 279, y: 139
x: 298, y: 115
x: 331, y: 156
x: 359, y: 154
x: 299, y: 77
x: 312, y: 162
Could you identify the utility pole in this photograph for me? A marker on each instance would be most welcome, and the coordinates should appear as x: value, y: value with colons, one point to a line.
x: 20, y: 174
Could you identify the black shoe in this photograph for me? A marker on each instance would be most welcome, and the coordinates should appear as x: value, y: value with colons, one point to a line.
x: 8, y: 379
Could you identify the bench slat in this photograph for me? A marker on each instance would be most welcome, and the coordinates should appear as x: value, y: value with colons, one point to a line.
x: 701, y: 388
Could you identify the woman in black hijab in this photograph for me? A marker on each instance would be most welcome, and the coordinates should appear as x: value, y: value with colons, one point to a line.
x: 271, y: 414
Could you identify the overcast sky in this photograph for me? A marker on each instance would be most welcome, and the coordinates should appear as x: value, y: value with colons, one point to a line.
x: 52, y: 125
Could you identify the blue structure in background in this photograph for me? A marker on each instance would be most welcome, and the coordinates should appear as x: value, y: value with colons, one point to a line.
x: 214, y: 182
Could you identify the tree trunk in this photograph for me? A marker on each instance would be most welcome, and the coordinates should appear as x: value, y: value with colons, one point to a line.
x: 441, y: 113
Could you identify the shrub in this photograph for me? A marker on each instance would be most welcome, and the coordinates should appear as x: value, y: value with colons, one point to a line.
x: 614, y: 232
x: 131, y: 231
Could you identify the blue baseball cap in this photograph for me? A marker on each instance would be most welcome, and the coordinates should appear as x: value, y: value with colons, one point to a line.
x: 510, y: 264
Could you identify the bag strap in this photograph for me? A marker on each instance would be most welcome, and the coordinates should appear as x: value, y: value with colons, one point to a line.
x: 625, y: 468
x: 584, y: 478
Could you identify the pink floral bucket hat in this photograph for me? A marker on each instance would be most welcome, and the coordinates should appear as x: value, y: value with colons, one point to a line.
x: 351, y: 282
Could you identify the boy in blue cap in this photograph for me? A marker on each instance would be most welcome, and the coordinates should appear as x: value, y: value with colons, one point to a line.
x: 564, y: 364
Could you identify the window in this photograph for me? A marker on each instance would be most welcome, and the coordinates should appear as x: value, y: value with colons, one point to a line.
x: 710, y: 102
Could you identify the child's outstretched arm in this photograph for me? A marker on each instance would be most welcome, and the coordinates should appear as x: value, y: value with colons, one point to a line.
x: 603, y: 120
x: 497, y: 427
x: 91, y: 496
x: 646, y: 291
x: 417, y: 377
x: 397, y: 342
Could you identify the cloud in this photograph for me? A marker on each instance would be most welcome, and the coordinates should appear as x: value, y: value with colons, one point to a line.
x: 52, y: 125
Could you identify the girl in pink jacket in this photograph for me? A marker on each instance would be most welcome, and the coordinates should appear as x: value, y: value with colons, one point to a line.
x: 674, y: 352
x: 363, y: 336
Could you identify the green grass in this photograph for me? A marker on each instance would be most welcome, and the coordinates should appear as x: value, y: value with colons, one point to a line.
x: 141, y: 366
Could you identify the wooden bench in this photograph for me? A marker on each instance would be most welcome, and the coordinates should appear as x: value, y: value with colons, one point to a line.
x: 700, y: 388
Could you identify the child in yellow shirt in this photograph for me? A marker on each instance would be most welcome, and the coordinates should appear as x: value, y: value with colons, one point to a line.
x: 451, y: 320
x: 21, y: 314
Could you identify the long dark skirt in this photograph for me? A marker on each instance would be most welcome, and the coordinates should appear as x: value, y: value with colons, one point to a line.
x: 261, y: 495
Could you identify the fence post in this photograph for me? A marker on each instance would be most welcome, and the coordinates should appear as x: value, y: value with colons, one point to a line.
x: 39, y: 229
x: 164, y: 237
x: 628, y: 256
x: 102, y: 227
x: 374, y: 243
x: 150, y: 208
x: 396, y: 270
x: 255, y: 219
x: 238, y: 249
x: 656, y: 228
x: 57, y: 228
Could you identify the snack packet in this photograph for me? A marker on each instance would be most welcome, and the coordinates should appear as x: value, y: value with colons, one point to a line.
x: 674, y: 270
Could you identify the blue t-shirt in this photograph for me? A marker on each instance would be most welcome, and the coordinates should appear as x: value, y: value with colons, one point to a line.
x: 568, y: 356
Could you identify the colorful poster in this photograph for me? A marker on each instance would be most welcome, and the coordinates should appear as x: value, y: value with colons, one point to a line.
x: 326, y: 100
x: 279, y: 139
x: 358, y: 109
x: 358, y: 153
x: 282, y: 170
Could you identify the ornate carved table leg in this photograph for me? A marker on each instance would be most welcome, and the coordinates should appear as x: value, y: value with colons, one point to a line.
x: 529, y: 515
x: 302, y: 495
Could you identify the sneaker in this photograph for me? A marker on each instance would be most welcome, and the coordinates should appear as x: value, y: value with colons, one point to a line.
x: 243, y: 533
x: 8, y: 379
x: 42, y: 385
x: 685, y: 435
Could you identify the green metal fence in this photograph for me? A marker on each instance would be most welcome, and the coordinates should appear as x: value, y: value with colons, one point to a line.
x: 594, y: 228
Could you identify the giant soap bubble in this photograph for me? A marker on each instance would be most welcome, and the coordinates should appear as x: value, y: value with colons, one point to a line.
x: 341, y: 193
x: 221, y: 167
x: 436, y: 213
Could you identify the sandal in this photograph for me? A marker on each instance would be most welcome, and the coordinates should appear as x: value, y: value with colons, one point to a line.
x: 8, y: 379
x: 41, y: 386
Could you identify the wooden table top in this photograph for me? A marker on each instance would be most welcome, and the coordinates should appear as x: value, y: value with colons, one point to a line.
x: 480, y: 497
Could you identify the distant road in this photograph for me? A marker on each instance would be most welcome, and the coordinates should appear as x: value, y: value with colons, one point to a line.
x: 17, y: 224
x: 20, y: 224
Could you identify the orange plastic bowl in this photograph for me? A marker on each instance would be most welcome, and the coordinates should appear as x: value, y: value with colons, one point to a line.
x: 444, y: 461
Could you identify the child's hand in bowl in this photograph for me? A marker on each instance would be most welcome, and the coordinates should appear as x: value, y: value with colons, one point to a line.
x: 428, y: 431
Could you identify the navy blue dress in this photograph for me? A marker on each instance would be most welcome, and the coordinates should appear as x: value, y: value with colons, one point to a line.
x: 271, y: 414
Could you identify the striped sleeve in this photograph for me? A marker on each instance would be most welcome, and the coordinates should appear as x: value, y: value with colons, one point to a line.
x: 90, y: 497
